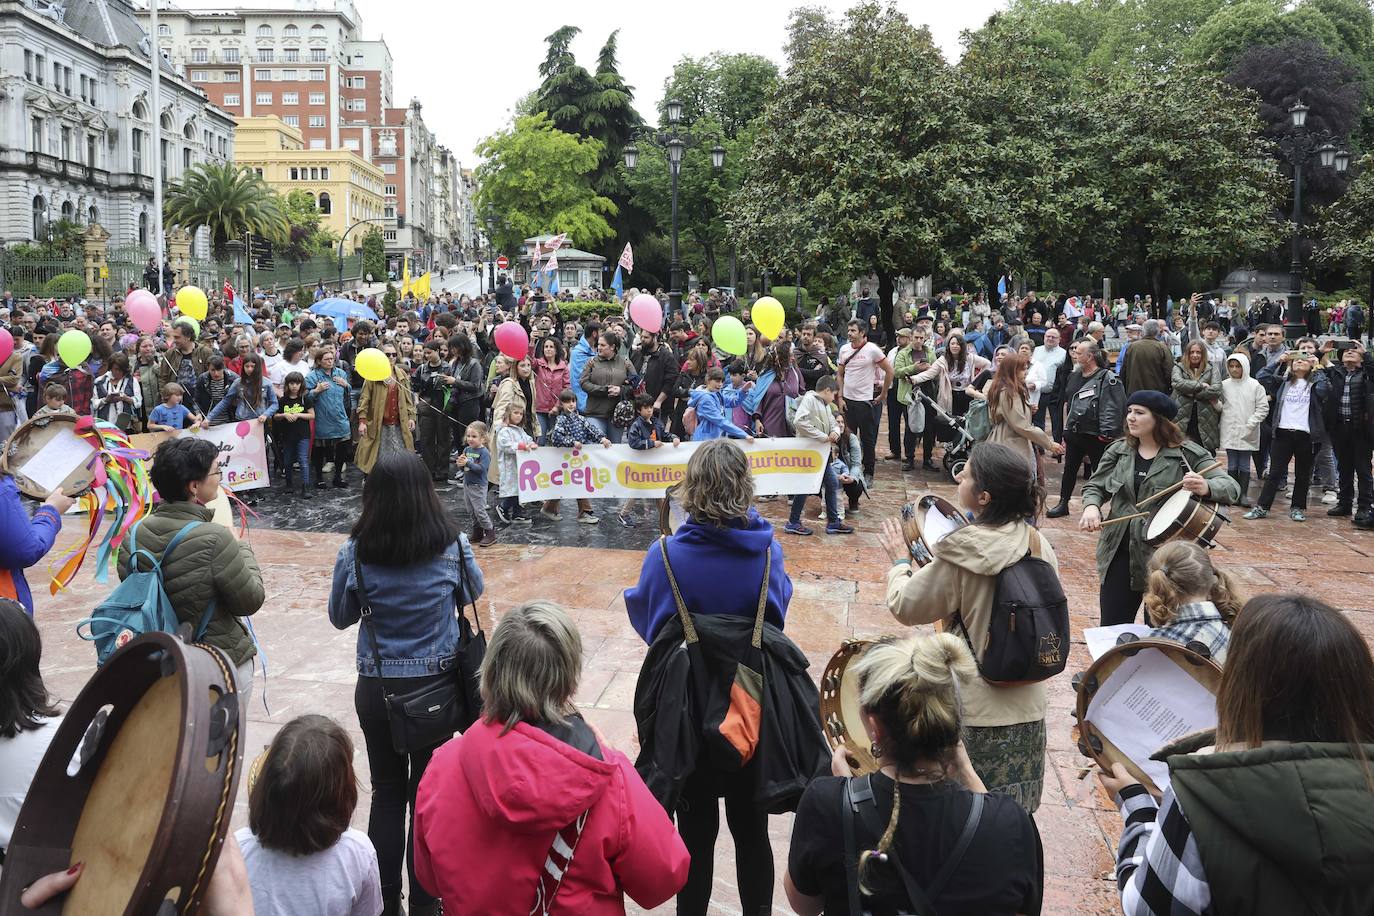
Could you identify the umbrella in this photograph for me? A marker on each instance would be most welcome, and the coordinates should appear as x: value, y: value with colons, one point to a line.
x: 343, y: 310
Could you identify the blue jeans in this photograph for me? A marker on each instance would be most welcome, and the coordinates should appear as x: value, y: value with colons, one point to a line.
x: 830, y: 486
x: 546, y: 421
x: 298, y: 452
x: 608, y: 429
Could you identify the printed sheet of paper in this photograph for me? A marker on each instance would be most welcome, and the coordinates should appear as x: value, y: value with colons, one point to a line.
x: 937, y: 525
x: 1148, y: 702
x: 57, y: 459
x: 1100, y: 639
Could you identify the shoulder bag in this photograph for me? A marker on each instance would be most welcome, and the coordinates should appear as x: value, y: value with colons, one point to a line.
x: 430, y: 715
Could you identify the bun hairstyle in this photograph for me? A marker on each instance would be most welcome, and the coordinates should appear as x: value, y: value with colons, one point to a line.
x: 1180, y: 570
x: 912, y: 686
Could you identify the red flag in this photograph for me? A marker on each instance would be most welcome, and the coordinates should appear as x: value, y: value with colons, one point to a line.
x: 228, y: 292
x: 627, y: 259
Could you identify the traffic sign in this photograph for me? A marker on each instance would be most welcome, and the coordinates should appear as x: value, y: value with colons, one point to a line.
x: 260, y: 250
x: 502, y: 262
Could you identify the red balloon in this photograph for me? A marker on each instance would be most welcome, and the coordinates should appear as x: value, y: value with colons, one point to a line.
x: 511, y: 340
x: 6, y: 345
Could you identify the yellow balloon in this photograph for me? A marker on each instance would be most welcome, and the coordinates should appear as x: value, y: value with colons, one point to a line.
x: 373, y: 365
x: 191, y: 302
x: 768, y: 317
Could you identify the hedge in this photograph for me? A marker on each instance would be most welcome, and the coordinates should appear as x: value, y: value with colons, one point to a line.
x: 65, y: 285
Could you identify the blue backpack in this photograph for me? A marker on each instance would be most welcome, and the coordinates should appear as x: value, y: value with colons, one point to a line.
x: 139, y: 604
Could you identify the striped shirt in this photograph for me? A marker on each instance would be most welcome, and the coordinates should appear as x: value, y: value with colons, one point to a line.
x: 1158, y: 868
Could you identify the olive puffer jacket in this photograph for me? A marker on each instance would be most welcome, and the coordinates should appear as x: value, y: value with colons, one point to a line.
x: 208, y: 563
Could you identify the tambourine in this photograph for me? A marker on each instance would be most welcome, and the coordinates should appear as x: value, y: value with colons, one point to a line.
x: 138, y: 784
x: 28, y: 440
x: 1193, y: 658
x: 671, y: 515
x: 1183, y: 516
x: 925, y: 522
x: 841, y: 715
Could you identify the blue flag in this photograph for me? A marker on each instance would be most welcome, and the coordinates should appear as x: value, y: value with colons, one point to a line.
x: 1001, y: 286
x: 617, y: 284
x: 241, y: 315
x: 553, y: 282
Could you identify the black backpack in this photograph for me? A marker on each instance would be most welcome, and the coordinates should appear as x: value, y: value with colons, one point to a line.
x: 1028, y: 633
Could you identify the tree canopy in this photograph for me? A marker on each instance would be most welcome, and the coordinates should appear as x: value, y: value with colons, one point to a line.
x: 229, y: 200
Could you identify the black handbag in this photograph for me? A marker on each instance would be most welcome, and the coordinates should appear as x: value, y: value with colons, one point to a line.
x: 431, y: 715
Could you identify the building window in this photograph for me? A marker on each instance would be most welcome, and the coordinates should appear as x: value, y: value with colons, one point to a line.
x: 56, y: 76
x: 262, y: 98
x: 91, y: 147
x: 288, y: 76
x: 164, y: 29
x: 257, y: 172
x: 317, y: 144
x: 143, y: 230
x: 136, y: 145
x: 231, y: 99
x: 200, y: 55
x: 357, y: 104
x: 231, y: 76
x: 28, y: 65
x: 351, y: 144
x: 314, y: 174
x: 231, y: 55
x: 389, y: 212
x: 290, y: 98
x: 359, y: 82
x: 264, y: 55
x: 66, y: 143
x: 389, y: 190
x: 389, y: 235
x: 36, y: 134
x: 262, y: 76
x: 317, y: 120
x: 166, y: 148
x: 291, y: 31
x: 291, y: 55
x: 319, y: 55
x: 317, y: 76
x: 38, y: 64
x: 67, y: 81
x: 292, y: 120
x: 84, y: 83
x: 317, y: 31
x: 317, y: 98
x: 324, y: 173
x: 388, y: 168
x: 264, y: 31
x: 40, y: 220
x: 198, y: 76
x: 186, y: 159
x: 326, y: 206
x: 92, y: 216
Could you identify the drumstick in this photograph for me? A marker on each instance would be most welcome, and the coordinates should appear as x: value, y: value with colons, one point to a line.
x: 1167, y: 490
x: 1123, y: 518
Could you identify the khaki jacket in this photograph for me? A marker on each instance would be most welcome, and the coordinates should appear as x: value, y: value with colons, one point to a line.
x: 11, y: 372
x: 963, y: 578
x: 1012, y: 426
x: 371, y: 408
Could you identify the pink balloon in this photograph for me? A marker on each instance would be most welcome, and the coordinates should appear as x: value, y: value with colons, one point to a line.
x: 512, y: 340
x: 143, y: 310
x: 647, y: 313
x: 243, y: 429
x: 6, y: 345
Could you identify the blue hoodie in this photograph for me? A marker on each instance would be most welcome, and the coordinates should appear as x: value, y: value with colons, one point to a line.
x: 581, y: 354
x: 718, y: 571
x: 24, y: 541
x: 712, y: 421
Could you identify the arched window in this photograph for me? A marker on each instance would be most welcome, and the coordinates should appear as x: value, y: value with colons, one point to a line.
x: 264, y: 31
x: 143, y: 230
x: 140, y: 111
x: 317, y: 31
x: 291, y: 31
x: 68, y: 211
x: 189, y: 131
x: 40, y: 221
x: 166, y: 121
x: 92, y: 216
x: 325, y: 206
x: 164, y: 29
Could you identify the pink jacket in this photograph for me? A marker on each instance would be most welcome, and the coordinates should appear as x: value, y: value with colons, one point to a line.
x: 549, y: 383
x: 489, y: 806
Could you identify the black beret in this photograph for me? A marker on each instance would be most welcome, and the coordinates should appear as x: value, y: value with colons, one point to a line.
x: 1157, y: 401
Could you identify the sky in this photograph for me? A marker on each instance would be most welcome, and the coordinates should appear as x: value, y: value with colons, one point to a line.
x: 469, y: 63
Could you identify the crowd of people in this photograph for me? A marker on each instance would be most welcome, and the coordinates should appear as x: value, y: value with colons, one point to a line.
x: 531, y: 809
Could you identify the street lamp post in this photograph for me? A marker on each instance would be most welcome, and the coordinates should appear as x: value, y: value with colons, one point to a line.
x: 1299, y: 147
x: 674, y: 144
x: 491, y: 254
x: 341, y: 246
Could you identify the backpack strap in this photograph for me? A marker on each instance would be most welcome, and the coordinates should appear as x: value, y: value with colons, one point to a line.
x: 365, y: 612
x: 688, y: 628
x: 757, y: 641
x: 851, y: 846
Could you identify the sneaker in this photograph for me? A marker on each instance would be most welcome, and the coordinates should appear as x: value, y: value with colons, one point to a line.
x: 796, y: 528
x: 501, y: 514
x: 519, y: 519
x: 1338, y: 511
x: 1363, y: 521
x: 589, y: 518
x: 838, y: 528
x: 551, y: 516
x: 1256, y: 512
x: 1058, y: 511
x: 1297, y: 515
x: 320, y: 485
x: 625, y: 520
x: 1329, y: 497
x: 328, y: 467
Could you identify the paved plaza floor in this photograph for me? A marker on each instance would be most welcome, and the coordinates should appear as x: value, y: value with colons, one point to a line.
x: 838, y: 594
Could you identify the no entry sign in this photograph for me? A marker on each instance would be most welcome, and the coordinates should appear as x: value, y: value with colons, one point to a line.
x: 502, y: 262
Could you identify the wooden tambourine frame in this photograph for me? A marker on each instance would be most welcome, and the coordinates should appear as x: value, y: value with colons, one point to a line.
x: 841, y: 717
x: 26, y: 441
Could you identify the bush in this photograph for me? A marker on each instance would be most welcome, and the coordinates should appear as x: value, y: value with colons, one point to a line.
x: 580, y: 309
x: 65, y: 285
x: 389, y: 299
x: 787, y: 295
x: 303, y: 298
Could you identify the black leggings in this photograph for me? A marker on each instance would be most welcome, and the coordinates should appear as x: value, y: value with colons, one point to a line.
x: 1116, y: 600
x: 395, y: 777
x: 698, y: 822
x: 1294, y: 445
x: 326, y: 450
x: 1078, y: 446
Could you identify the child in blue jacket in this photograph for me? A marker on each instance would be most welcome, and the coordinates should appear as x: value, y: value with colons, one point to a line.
x: 710, y: 403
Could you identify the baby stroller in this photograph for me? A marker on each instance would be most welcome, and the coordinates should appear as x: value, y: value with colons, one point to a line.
x: 955, y: 436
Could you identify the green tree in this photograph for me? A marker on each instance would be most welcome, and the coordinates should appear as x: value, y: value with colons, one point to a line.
x: 537, y: 178
x: 229, y: 200
x: 374, y: 253
x: 869, y: 154
x: 1187, y: 179
x: 1347, y: 225
x: 307, y: 237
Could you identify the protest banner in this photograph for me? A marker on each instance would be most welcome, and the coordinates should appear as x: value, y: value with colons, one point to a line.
x: 242, y: 452
x: 597, y: 472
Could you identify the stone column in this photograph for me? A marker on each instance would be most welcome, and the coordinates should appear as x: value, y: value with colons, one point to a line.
x: 179, y: 255
x: 94, y: 242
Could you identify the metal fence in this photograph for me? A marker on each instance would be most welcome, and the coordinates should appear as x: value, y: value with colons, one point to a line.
x: 28, y: 274
x: 126, y: 264
x: 321, y: 268
x: 209, y: 274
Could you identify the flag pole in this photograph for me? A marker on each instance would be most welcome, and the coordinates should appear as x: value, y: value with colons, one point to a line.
x: 156, y: 97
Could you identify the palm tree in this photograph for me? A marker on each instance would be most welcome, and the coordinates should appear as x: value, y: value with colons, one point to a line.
x: 229, y: 200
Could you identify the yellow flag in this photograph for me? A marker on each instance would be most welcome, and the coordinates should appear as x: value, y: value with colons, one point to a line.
x: 421, y: 287
x: 405, y: 276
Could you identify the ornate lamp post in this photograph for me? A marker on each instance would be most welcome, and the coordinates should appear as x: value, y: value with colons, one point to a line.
x: 1300, y: 146
x: 675, y: 145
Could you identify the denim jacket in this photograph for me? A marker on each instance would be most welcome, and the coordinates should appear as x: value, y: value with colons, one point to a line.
x: 412, y: 610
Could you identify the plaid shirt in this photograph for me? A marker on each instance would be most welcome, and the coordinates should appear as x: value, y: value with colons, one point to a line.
x: 1347, y: 402
x: 1199, y: 622
x: 1158, y: 868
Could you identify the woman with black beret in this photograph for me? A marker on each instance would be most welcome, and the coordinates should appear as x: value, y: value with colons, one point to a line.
x: 1152, y: 456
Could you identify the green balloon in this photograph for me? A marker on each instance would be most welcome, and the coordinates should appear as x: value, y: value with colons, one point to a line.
x: 73, y: 346
x: 728, y: 334
x: 190, y: 323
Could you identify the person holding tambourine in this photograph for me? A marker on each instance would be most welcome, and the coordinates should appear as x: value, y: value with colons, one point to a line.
x: 1152, y: 457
